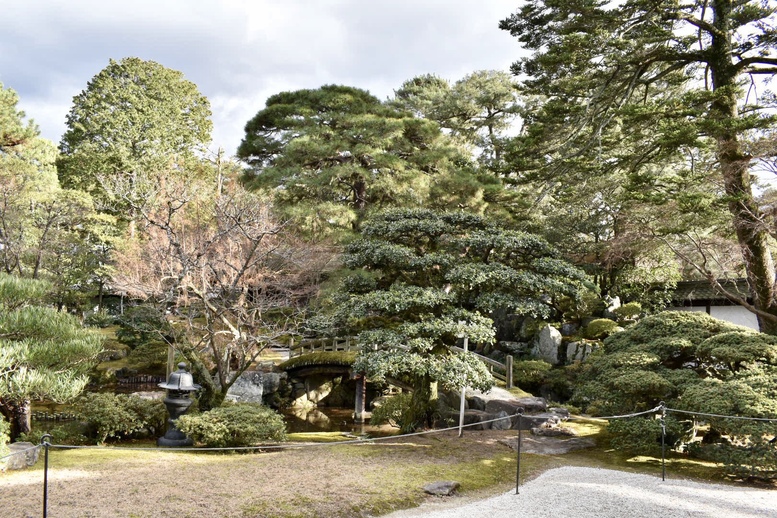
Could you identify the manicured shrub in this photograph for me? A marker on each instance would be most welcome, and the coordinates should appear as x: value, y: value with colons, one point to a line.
x: 120, y: 416
x: 600, y: 328
x: 234, y: 425
x: 629, y: 311
x: 530, y: 374
x: 99, y: 319
x: 697, y: 364
x: 71, y: 433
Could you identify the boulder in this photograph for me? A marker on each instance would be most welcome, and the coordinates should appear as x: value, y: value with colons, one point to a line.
x: 505, y: 421
x: 526, y: 405
x: 21, y: 455
x: 547, y: 345
x: 442, y: 488
x: 555, y: 431
x: 569, y: 328
x: 248, y: 388
x: 527, y: 422
x: 578, y: 351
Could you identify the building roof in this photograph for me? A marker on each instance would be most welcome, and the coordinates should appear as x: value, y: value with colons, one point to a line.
x: 702, y: 292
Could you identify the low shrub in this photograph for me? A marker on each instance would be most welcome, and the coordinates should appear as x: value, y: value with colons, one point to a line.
x: 149, y: 358
x: 143, y: 324
x: 642, y: 436
x: 100, y: 319
x: 120, y: 416
x: 629, y: 311
x: 529, y: 374
x: 234, y: 425
x: 600, y: 328
x: 394, y: 411
x: 73, y: 433
x: 5, y: 430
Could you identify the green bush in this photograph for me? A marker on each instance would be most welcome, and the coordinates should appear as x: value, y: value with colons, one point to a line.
x: 99, y: 319
x: 234, y: 425
x: 529, y: 375
x: 642, y: 436
x: 694, y: 363
x: 149, y: 358
x: 142, y: 325
x: 73, y: 433
x: 629, y: 311
x: 5, y: 430
x: 393, y: 411
x: 120, y: 416
x: 600, y: 328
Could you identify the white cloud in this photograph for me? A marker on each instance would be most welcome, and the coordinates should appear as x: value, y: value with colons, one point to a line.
x: 239, y: 52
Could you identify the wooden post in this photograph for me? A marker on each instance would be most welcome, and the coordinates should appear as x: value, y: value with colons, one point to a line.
x: 509, y: 372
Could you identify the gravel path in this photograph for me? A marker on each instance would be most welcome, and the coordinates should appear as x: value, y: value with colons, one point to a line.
x: 599, y: 493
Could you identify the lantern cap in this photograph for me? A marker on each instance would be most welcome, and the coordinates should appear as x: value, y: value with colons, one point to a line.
x: 180, y: 380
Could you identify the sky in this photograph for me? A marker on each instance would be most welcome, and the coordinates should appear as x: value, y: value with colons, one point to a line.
x: 240, y: 52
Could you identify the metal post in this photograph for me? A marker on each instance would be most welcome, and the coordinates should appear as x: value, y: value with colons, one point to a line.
x: 463, y: 395
x: 663, y: 441
x: 518, y: 463
x: 45, y: 442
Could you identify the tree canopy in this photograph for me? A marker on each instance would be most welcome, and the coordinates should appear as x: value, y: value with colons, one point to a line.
x: 44, y: 353
x: 647, y: 86
x: 421, y: 279
x: 134, y: 116
x: 333, y: 154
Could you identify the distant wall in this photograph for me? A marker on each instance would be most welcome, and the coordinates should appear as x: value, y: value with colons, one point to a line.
x: 734, y: 314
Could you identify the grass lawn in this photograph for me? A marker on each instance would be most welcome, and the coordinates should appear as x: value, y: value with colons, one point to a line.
x: 327, y: 479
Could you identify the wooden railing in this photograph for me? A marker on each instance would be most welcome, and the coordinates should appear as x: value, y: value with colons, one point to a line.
x: 499, y: 370
x: 315, y: 345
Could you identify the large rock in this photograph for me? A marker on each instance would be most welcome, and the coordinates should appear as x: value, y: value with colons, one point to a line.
x: 578, y: 351
x: 22, y: 455
x: 248, y: 388
x: 505, y: 422
x: 526, y: 405
x: 251, y: 386
x: 442, y: 488
x: 473, y: 419
x: 547, y: 345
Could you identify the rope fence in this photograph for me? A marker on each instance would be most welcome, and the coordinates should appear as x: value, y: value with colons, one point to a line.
x: 661, y: 409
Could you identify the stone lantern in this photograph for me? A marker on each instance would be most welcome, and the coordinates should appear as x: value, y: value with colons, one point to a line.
x: 179, y: 386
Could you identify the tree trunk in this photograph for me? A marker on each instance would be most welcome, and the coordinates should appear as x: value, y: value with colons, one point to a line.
x: 422, y: 405
x: 752, y: 235
x: 18, y: 414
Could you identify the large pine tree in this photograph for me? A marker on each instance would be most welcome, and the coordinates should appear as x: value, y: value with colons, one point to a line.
x: 677, y: 76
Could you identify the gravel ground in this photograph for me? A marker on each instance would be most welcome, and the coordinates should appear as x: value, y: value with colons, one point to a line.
x: 600, y: 493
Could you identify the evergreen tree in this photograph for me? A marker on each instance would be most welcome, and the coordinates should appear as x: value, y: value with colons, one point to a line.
x: 654, y: 80
x: 333, y: 154
x: 422, y: 278
x: 44, y: 353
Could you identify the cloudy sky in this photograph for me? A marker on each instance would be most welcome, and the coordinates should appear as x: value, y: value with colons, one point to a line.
x: 239, y: 52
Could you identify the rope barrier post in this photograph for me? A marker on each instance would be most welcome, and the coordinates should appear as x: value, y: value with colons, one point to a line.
x: 518, y: 463
x: 45, y: 443
x: 663, y: 440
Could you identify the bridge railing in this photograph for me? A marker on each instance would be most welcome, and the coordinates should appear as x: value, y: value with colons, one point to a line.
x: 499, y: 370
x: 314, y: 345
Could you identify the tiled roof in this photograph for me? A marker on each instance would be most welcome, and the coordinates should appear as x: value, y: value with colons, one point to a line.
x: 703, y: 291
